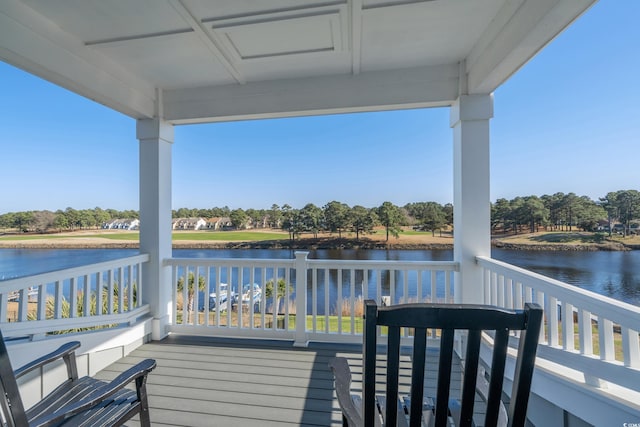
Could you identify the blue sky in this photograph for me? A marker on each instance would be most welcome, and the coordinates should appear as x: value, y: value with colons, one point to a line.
x: 568, y: 121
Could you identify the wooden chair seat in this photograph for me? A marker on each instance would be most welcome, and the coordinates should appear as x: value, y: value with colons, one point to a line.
x: 83, y: 401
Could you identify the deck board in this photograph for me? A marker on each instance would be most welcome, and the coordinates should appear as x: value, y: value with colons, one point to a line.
x: 211, y: 381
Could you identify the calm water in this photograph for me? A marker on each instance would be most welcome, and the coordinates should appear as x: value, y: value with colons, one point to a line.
x: 615, y: 274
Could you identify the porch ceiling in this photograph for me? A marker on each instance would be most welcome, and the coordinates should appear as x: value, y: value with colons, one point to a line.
x: 196, y: 61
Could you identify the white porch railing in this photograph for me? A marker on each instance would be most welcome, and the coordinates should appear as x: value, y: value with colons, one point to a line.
x: 584, y: 331
x: 100, y: 294
x: 301, y: 299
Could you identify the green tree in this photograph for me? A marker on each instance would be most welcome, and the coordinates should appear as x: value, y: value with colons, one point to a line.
x: 501, y: 214
x: 191, y: 290
x: 390, y: 216
x: 275, y: 216
x: 534, y: 212
x: 238, y: 218
x: 73, y: 219
x: 590, y: 214
x: 336, y: 217
x: 292, y: 222
x: 60, y: 221
x: 628, y: 204
x: 432, y: 217
x: 312, y: 219
x: 23, y: 221
x: 553, y: 204
x: 256, y: 216
x: 100, y: 216
x: 610, y: 206
x: 448, y: 213
x: 362, y: 220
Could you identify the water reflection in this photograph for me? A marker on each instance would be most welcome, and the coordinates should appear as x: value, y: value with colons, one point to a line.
x: 615, y: 274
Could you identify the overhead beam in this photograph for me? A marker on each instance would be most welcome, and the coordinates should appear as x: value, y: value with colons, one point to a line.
x: 371, y: 91
x: 212, y: 42
x: 521, y: 29
x: 33, y: 43
x: 356, y: 35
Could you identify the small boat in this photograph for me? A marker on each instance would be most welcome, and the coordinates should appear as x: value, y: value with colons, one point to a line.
x: 251, y: 294
x: 221, y: 298
x: 32, y: 293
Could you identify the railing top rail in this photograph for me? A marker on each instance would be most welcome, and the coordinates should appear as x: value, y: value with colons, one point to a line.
x: 244, y: 262
x: 617, y: 311
x: 383, y: 264
x: 324, y: 263
x: 52, y: 276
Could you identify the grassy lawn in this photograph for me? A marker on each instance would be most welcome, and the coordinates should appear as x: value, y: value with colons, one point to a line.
x: 568, y: 238
x: 31, y: 237
x: 257, y: 319
x: 224, y: 236
x: 230, y: 236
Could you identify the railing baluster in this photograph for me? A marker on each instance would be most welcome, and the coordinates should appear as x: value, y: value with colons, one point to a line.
x: 139, y: 287
x: 500, y: 293
x: 567, y: 327
x: 73, y: 306
x: 339, y: 301
x: 605, y: 332
x: 327, y: 272
x: 433, y: 277
x: 287, y: 300
x: 57, y: 314
x: 314, y: 299
x: 630, y: 348
x: 99, y: 295
x: 42, y: 302
x: 352, y: 302
x: 552, y: 314
x: 379, y: 286
x: 110, y: 293
x: 509, y: 293
x: 486, y: 283
x: 240, y: 289
x: 585, y: 332
x: 392, y: 286
x: 86, y: 297
x: 121, y: 290
x: 130, y: 305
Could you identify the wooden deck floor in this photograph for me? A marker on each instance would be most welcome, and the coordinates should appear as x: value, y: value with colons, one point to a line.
x: 221, y: 382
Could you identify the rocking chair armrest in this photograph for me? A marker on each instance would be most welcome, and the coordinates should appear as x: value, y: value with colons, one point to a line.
x: 62, y: 352
x: 138, y: 372
x: 342, y: 375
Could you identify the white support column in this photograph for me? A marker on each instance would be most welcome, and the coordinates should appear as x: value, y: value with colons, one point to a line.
x: 156, y: 138
x: 471, y: 199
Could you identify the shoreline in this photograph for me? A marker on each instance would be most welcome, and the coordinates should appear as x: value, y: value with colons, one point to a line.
x: 307, y: 243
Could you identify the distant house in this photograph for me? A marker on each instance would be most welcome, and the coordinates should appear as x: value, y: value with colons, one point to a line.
x: 122, y: 224
x: 188, y: 224
x: 219, y: 223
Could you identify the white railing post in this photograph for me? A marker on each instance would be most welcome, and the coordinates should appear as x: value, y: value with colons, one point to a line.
x: 301, y: 299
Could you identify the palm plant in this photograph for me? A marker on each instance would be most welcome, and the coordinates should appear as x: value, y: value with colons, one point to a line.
x: 191, y: 290
x: 281, y: 291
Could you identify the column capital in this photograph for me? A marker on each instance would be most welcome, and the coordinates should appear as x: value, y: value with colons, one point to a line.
x: 154, y: 129
x: 471, y: 107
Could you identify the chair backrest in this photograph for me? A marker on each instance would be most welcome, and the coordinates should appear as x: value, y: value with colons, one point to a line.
x: 11, y: 407
x: 447, y: 319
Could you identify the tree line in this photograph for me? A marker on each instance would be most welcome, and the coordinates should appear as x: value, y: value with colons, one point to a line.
x: 522, y: 214
x: 566, y: 212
